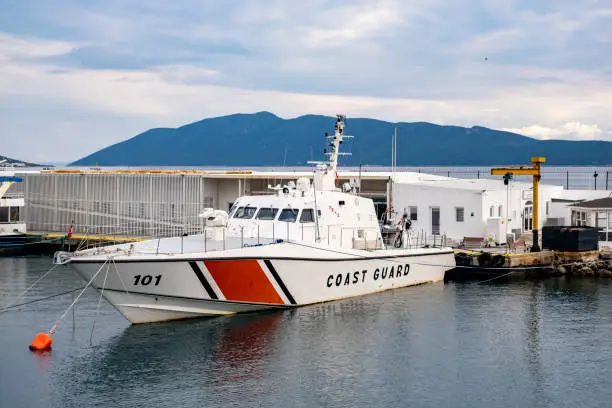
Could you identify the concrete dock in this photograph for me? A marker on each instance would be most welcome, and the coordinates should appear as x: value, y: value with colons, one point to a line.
x: 496, y: 263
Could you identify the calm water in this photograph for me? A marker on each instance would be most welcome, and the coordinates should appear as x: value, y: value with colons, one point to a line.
x: 517, y: 344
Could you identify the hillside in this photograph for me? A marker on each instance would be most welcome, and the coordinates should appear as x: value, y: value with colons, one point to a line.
x: 7, y: 161
x: 263, y: 139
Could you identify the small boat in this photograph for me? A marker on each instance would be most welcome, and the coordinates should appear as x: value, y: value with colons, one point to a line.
x: 306, y: 242
x: 13, y: 237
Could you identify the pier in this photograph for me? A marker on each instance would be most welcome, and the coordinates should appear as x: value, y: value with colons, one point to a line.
x: 491, y: 263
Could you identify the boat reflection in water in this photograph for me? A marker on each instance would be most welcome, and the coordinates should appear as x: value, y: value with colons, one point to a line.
x: 211, y: 351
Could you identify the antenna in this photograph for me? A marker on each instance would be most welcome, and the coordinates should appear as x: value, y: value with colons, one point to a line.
x: 285, y: 156
x: 394, y: 153
x: 335, y: 141
x: 359, y: 178
x: 329, y: 170
x: 316, y: 210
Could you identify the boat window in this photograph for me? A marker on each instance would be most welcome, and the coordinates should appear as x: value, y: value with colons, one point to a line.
x: 307, y: 215
x: 245, y: 213
x: 232, y: 209
x: 288, y: 215
x: 267, y: 213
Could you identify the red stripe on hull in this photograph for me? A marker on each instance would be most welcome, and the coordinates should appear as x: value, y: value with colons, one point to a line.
x: 243, y: 281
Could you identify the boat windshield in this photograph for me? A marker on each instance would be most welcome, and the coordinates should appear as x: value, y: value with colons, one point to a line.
x: 288, y: 215
x: 307, y: 215
x: 267, y: 213
x: 245, y: 213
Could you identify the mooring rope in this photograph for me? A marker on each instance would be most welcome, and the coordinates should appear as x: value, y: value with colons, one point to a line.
x: 93, y: 326
x: 40, y: 299
x: 11, y: 304
x: 57, y: 322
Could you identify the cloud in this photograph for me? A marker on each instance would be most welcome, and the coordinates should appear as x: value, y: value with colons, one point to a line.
x: 14, y: 47
x: 107, y: 70
x: 343, y: 26
x: 569, y: 130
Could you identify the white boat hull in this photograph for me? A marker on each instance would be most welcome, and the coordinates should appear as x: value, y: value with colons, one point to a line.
x: 161, y: 289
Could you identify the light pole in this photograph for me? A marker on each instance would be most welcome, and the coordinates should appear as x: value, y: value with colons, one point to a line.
x: 507, y: 177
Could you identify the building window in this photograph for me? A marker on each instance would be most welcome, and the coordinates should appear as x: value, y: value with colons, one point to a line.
x: 579, y: 218
x: 413, y: 213
x: 500, y: 210
x: 547, y: 207
x: 14, y: 214
x: 491, y: 211
x: 601, y: 220
x: 459, y: 214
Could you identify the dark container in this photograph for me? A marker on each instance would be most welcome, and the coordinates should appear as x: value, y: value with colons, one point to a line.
x: 570, y: 238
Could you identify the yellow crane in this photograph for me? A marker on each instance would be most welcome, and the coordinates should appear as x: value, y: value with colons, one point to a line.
x: 527, y: 171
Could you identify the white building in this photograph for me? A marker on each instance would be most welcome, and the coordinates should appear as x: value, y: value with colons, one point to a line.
x: 461, y: 208
x: 561, y: 211
x: 594, y: 213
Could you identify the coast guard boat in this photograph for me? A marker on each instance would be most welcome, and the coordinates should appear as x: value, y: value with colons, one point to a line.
x: 305, y: 243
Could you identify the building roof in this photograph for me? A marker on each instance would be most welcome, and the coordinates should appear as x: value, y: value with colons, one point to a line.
x: 595, y: 204
x: 581, y: 195
x: 431, y: 180
x: 564, y: 200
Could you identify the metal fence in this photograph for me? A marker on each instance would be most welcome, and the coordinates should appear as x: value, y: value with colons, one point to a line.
x: 117, y: 204
x: 570, y: 177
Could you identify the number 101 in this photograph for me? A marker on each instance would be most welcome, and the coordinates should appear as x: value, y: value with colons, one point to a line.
x: 146, y: 280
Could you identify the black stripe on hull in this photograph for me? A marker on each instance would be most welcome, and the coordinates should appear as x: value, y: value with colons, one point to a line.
x: 280, y: 282
x: 203, y: 280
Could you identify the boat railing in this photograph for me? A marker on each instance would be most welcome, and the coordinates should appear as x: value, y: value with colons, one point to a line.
x: 366, y: 238
x: 223, y: 238
x: 194, y: 238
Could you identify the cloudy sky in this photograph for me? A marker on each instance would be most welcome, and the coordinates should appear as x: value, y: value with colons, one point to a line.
x: 76, y: 76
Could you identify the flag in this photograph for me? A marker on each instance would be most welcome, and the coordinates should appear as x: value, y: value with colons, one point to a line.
x: 70, y: 230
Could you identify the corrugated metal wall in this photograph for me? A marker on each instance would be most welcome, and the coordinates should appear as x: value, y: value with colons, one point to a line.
x: 117, y: 204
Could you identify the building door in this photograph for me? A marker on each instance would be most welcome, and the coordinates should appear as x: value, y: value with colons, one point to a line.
x: 435, y: 220
x: 528, y: 217
x: 380, y: 206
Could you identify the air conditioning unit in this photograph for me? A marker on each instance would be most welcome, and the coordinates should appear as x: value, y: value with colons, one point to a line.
x: 554, y: 222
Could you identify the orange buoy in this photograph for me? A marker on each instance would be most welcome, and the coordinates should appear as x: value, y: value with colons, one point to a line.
x: 42, y: 341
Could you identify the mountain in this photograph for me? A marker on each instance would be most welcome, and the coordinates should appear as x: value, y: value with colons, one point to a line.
x: 263, y: 139
x: 7, y: 161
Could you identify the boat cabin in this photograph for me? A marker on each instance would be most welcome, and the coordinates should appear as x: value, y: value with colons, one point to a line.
x: 298, y: 212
